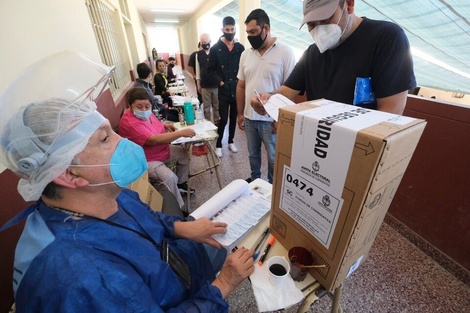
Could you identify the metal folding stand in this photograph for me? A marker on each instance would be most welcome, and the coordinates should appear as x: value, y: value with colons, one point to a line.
x: 315, y: 292
x: 213, y: 162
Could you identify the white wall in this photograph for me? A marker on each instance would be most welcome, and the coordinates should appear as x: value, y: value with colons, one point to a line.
x: 139, y: 29
x: 164, y: 39
x: 31, y: 30
x: 188, y: 33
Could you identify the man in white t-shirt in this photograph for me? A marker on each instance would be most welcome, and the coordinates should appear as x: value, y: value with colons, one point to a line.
x: 263, y: 68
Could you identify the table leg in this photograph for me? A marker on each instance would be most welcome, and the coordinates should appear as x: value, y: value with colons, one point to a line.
x: 336, y: 307
x: 215, y: 162
x: 188, y: 191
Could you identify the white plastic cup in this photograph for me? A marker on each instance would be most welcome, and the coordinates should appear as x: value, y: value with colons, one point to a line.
x: 278, y: 268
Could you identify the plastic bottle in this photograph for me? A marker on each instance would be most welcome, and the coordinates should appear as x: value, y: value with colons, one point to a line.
x: 199, y: 114
x: 188, y: 111
x: 182, y: 119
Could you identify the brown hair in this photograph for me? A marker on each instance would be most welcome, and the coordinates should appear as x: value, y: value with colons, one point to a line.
x: 137, y: 93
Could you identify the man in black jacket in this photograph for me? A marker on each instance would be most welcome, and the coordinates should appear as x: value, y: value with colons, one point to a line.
x: 224, y: 58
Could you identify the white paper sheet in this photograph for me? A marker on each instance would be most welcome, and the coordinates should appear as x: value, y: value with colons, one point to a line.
x: 276, y: 102
x: 270, y: 297
x: 201, y: 130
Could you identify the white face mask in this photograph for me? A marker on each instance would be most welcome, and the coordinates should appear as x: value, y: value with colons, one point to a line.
x: 327, y: 36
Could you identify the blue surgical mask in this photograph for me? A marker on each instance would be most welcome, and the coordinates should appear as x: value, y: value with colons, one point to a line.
x: 143, y: 115
x: 127, y: 164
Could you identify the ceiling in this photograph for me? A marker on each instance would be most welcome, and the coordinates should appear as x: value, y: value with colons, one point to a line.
x: 438, y: 28
x: 187, y: 8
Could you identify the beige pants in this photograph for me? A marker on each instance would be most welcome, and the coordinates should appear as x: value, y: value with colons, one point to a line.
x: 210, y: 99
x: 158, y: 170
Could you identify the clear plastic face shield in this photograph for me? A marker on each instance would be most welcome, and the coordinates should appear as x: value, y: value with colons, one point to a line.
x: 48, y: 115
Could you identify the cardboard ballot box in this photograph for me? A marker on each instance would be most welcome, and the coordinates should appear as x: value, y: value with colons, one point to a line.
x: 147, y: 193
x: 337, y: 169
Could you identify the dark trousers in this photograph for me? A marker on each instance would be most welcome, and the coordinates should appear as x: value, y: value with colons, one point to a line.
x: 227, y: 106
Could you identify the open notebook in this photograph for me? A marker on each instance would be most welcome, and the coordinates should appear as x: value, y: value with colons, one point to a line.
x: 239, y: 206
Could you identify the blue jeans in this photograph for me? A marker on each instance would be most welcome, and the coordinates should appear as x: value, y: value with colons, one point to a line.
x: 258, y: 132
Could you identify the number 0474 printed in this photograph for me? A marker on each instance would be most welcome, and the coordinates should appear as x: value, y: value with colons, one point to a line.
x: 312, y: 207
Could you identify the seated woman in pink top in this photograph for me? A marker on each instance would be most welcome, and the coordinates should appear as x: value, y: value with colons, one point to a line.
x: 139, y: 125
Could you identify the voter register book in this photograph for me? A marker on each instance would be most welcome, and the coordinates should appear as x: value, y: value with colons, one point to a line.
x: 238, y: 205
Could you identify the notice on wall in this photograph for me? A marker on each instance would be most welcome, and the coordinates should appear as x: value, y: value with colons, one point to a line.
x: 311, y: 206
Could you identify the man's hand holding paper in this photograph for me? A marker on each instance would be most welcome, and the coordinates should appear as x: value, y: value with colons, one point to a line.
x: 201, y: 230
x: 257, y: 102
x: 266, y: 104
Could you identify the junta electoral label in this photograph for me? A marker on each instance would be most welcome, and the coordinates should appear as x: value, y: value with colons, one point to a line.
x: 312, y: 207
x: 324, y: 139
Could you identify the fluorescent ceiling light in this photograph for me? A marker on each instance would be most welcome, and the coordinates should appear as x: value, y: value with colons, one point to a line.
x: 168, y: 10
x: 165, y: 21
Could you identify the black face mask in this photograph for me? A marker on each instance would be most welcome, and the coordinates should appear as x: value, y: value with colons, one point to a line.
x: 206, y: 46
x: 171, y: 65
x: 229, y: 36
x: 256, y: 41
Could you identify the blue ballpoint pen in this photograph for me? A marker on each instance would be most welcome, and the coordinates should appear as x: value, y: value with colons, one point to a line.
x: 260, y: 243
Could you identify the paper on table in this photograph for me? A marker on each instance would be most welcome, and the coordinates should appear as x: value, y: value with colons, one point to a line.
x: 201, y: 130
x: 179, y: 100
x: 275, y: 102
x: 237, y: 206
x: 270, y: 297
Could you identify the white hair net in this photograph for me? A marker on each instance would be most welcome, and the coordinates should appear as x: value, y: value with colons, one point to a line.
x: 48, y: 116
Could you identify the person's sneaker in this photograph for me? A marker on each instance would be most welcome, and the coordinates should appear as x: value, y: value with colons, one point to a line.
x: 183, y: 188
x: 232, y: 147
x: 218, y: 152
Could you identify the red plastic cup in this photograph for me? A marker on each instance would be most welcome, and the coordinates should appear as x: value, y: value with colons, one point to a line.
x: 299, y: 257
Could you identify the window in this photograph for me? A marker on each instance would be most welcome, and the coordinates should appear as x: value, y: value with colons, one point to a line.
x: 108, y: 31
x: 124, y: 9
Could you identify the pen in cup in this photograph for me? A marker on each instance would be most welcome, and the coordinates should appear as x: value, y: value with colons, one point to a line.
x: 271, y: 241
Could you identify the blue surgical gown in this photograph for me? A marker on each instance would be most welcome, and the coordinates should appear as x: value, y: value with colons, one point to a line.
x: 91, y: 266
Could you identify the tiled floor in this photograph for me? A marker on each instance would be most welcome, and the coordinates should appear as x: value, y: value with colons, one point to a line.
x: 396, y: 277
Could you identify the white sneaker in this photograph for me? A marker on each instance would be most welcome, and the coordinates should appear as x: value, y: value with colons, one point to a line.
x: 232, y: 147
x: 218, y: 152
